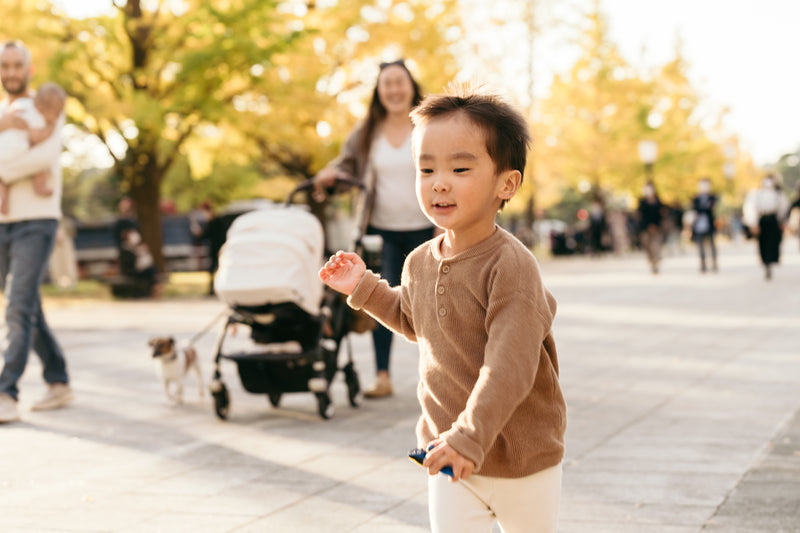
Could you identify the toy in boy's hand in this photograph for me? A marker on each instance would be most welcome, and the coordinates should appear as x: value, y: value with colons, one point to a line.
x: 418, y: 455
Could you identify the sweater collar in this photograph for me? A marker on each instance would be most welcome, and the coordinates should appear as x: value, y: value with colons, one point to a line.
x: 485, y: 246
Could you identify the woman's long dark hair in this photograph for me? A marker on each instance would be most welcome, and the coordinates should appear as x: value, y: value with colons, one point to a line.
x: 376, y: 110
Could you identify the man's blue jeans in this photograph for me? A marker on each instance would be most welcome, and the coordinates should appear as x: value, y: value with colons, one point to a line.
x: 24, y: 251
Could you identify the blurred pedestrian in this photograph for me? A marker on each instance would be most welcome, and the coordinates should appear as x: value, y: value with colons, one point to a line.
x: 651, y: 218
x: 794, y: 209
x: 199, y: 220
x: 378, y: 152
x: 598, y: 228
x: 703, y: 225
x: 136, y: 263
x: 27, y: 235
x: 63, y: 267
x: 764, y: 212
x: 618, y: 230
x: 674, y: 227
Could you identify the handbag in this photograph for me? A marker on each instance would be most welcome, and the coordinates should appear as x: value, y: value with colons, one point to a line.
x: 702, y: 224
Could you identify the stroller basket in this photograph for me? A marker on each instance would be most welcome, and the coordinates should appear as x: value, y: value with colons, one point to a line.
x: 281, y: 323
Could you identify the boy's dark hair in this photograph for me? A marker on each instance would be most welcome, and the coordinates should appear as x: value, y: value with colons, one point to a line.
x: 505, y: 129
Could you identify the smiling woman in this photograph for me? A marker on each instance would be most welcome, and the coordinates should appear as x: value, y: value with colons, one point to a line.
x: 378, y: 152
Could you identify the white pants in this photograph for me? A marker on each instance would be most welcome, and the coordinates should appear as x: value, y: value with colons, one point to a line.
x: 522, y: 505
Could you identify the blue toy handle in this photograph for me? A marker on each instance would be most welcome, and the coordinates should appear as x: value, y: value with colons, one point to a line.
x: 418, y: 455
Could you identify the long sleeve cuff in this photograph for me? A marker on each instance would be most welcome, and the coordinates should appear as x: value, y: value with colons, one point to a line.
x: 363, y: 290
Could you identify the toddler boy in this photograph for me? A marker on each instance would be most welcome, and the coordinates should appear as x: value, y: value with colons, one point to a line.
x: 474, y: 300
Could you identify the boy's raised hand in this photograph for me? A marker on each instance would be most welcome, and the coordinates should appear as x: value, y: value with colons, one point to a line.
x: 343, y: 271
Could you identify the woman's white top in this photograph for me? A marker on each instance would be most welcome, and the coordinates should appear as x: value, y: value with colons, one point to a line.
x: 761, y: 202
x: 396, y: 207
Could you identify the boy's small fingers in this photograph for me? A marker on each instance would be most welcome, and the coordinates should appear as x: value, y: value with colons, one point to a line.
x: 428, y: 461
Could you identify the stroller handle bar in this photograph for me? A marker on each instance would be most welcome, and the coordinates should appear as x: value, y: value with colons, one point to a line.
x: 308, y: 184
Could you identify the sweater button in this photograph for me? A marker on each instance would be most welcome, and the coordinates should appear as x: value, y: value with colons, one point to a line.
x: 442, y: 311
x: 446, y: 269
x: 440, y: 289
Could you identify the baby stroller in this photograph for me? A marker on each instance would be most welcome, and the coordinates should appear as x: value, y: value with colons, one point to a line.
x: 268, y: 277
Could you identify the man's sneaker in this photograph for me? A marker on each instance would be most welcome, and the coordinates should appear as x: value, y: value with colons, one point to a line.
x: 8, y: 408
x: 57, y: 395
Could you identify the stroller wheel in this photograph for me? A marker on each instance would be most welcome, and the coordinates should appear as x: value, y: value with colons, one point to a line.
x: 355, y: 399
x: 353, y: 386
x: 274, y: 398
x: 326, y: 408
x: 221, y: 400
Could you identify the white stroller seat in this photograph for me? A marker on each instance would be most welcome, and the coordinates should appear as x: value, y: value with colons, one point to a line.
x: 271, y: 256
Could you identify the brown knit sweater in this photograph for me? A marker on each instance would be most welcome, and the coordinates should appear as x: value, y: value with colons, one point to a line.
x: 488, y: 367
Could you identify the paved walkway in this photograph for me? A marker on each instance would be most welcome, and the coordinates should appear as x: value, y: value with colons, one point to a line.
x: 683, y: 393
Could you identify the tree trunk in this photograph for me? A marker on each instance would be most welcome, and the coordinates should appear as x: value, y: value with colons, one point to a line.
x: 145, y: 190
x: 147, y: 200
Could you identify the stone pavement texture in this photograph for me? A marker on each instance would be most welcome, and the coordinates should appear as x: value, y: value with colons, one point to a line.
x: 683, y: 393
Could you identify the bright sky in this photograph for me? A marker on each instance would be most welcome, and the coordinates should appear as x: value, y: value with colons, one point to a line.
x: 741, y: 53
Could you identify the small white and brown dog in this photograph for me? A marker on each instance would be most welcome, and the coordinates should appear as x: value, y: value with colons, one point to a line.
x: 174, y: 365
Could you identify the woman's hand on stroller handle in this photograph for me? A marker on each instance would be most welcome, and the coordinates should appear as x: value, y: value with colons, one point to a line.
x: 324, y: 182
x: 343, y: 271
x: 327, y: 177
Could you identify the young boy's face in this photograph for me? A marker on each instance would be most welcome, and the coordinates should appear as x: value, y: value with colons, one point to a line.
x: 458, y: 187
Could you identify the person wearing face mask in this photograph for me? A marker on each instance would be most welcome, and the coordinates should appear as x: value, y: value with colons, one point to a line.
x: 764, y: 212
x: 651, y: 215
x: 378, y: 152
x: 703, y: 229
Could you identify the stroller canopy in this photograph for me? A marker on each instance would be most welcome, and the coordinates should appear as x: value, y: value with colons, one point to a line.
x: 272, y: 256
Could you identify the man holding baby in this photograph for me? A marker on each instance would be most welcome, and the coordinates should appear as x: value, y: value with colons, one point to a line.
x: 31, y: 196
